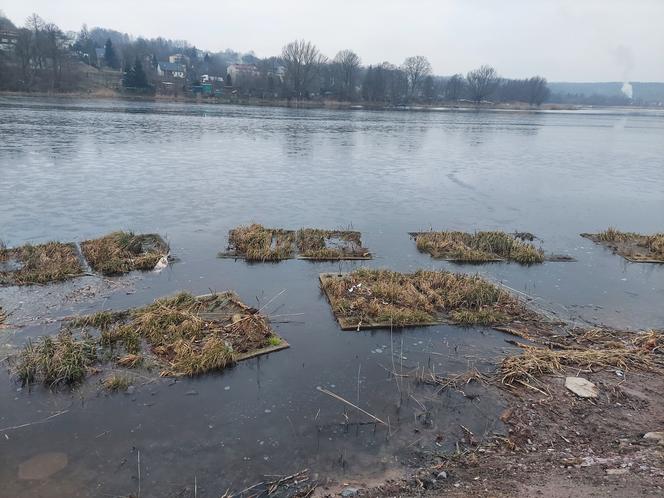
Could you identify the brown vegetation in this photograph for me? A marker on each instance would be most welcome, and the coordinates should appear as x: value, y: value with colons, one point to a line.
x: 257, y: 243
x: 478, y: 247
x: 39, y: 264
x: 62, y: 359
x: 630, y: 245
x: 313, y: 243
x: 380, y: 298
x: 121, y: 252
x: 189, y: 335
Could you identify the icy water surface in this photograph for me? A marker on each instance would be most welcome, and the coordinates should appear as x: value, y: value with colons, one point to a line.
x: 71, y: 170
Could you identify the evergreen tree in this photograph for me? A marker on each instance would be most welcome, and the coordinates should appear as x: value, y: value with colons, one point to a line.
x: 140, y: 78
x: 109, y: 55
x: 128, y: 78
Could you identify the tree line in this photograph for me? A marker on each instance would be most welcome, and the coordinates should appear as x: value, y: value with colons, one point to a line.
x: 46, y: 58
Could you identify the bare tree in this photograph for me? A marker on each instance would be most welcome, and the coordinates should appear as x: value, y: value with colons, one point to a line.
x: 348, y: 64
x: 454, y: 87
x: 538, y: 90
x: 301, y: 59
x: 482, y: 82
x: 416, y: 68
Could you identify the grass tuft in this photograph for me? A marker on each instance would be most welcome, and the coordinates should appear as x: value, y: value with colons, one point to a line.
x: 372, y: 296
x: 62, y: 359
x: 257, y: 243
x: 478, y: 247
x: 121, y: 252
x: 116, y: 383
x: 631, y: 245
x: 39, y: 264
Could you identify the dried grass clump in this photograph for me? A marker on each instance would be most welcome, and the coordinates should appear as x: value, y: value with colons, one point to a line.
x: 614, y: 235
x: 536, y: 361
x: 39, y: 264
x: 62, y: 359
x: 116, y: 383
x: 257, y: 243
x: 478, y: 247
x: 655, y: 243
x: 313, y: 243
x: 382, y: 297
x: 632, y: 246
x: 191, y: 335
x: 3, y: 316
x: 121, y: 252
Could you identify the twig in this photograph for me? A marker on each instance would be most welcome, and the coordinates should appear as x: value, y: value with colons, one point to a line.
x: 5, y: 429
x: 336, y: 396
x: 359, y: 367
x: 138, y: 458
x: 266, y: 304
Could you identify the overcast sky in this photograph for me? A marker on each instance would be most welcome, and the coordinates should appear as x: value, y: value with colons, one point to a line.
x: 564, y: 40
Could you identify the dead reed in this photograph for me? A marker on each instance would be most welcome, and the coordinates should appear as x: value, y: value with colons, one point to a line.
x: 478, y: 247
x: 372, y: 296
x: 39, y: 264
x: 121, y: 252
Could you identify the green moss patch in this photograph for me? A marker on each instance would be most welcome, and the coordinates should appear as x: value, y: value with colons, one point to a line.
x: 631, y: 246
x: 39, y: 264
x: 122, y: 252
x: 479, y: 247
x: 257, y: 243
x: 368, y: 298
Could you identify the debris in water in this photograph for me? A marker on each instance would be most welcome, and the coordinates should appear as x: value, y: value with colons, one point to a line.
x: 257, y: 243
x: 631, y: 246
x: 39, y: 264
x: 122, y: 252
x: 368, y: 298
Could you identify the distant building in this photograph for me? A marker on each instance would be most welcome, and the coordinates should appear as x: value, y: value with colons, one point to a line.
x: 239, y: 72
x: 171, y: 70
x: 178, y: 59
x: 8, y: 40
x: 208, y: 78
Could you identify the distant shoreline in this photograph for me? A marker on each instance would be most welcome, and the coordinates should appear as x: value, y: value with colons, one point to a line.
x: 317, y: 104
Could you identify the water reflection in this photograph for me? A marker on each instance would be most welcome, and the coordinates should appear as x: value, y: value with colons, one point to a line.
x: 72, y: 170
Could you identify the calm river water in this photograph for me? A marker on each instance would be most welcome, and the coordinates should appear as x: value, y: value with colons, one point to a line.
x: 71, y: 170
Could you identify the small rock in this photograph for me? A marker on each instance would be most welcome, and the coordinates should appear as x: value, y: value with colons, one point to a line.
x: 657, y: 436
x: 193, y: 392
x: 349, y: 492
x: 616, y: 472
x: 131, y: 390
x: 442, y: 475
x: 581, y: 387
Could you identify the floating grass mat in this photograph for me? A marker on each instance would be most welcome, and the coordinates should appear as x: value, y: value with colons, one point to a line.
x: 122, y: 252
x: 631, y: 246
x: 257, y: 243
x: 479, y: 247
x: 368, y: 298
x: 184, y: 334
x: 39, y: 264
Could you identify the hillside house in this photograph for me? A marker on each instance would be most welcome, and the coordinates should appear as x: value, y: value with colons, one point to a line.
x: 171, y: 70
x: 8, y: 40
